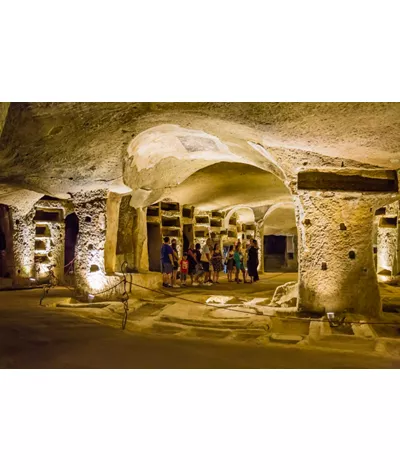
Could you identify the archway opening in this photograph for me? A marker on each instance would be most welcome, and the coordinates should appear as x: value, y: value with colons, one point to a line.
x: 280, y: 239
x: 154, y: 242
x: 6, y: 251
x: 71, y: 237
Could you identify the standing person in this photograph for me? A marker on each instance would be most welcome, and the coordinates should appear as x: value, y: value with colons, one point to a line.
x: 238, y: 257
x: 192, y: 262
x: 216, y: 261
x: 252, y: 264
x: 167, y: 261
x: 230, y: 263
x: 175, y: 264
x: 199, y: 266
x: 205, y: 261
x: 184, y: 263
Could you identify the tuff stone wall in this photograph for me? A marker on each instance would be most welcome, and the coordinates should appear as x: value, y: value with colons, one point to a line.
x: 90, y: 208
x: 49, y: 249
x: 125, y: 248
x: 23, y: 235
x: 387, y: 228
x: 336, y: 269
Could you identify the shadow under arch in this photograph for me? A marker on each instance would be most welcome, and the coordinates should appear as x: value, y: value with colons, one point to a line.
x: 239, y: 209
x: 164, y: 156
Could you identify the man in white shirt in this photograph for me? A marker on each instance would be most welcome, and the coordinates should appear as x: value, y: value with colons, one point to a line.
x: 205, y: 261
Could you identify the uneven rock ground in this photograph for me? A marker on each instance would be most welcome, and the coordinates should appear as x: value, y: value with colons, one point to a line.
x: 166, y: 332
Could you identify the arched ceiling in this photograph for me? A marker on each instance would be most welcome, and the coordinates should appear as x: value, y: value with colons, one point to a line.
x: 62, y: 148
x: 244, y: 214
x: 223, y: 185
x: 280, y: 220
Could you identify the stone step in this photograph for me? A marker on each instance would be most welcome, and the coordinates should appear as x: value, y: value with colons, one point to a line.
x: 209, y: 323
x: 288, y: 339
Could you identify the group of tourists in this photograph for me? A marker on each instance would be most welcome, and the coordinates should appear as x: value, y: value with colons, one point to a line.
x: 204, y: 264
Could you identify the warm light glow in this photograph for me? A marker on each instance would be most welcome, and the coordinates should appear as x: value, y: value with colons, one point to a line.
x: 330, y: 315
x: 96, y: 281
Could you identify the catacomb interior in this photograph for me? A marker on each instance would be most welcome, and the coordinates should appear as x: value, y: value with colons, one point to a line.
x: 90, y: 189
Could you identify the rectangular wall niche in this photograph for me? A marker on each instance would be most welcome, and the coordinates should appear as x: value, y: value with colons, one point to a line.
x: 153, y: 211
x: 169, y: 206
x: 40, y: 245
x: 319, y: 181
x: 232, y: 234
x: 171, y: 232
x: 202, y: 219
x: 380, y: 211
x: 48, y: 216
x: 216, y: 214
x: 232, y: 221
x: 187, y: 212
x: 388, y: 222
x: 42, y: 230
x: 200, y: 234
x: 170, y: 222
x: 216, y: 223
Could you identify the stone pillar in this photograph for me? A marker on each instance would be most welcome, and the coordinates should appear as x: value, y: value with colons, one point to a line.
x: 23, y: 239
x: 90, y: 208
x: 141, y: 255
x: 387, y: 241
x: 259, y: 236
x: 336, y: 268
x: 110, y: 248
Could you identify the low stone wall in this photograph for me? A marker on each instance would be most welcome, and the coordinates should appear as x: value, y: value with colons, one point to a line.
x: 102, y: 287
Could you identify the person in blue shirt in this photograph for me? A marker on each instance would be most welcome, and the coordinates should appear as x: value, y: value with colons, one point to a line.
x: 167, y: 261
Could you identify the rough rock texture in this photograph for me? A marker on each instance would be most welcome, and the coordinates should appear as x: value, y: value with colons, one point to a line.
x: 23, y: 228
x: 50, y: 237
x: 88, y: 142
x: 216, y: 157
x: 285, y: 295
x: 140, y: 256
x: 110, y: 248
x: 90, y: 209
x: 125, y: 247
x: 387, y: 241
x: 336, y: 268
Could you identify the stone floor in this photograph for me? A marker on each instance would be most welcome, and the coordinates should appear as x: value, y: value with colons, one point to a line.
x: 169, y: 332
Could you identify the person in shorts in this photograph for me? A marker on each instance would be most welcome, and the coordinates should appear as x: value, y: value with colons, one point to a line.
x: 167, y: 260
x: 175, y: 264
x: 205, y: 261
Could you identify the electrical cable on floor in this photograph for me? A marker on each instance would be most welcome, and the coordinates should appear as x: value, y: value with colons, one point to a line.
x: 125, y: 298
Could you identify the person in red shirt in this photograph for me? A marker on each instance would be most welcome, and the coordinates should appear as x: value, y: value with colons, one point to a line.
x: 184, y: 263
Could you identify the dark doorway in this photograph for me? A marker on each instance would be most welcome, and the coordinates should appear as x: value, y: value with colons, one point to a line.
x: 154, y: 246
x: 187, y: 236
x: 71, y: 236
x: 6, y: 252
x: 3, y: 260
x: 274, y: 252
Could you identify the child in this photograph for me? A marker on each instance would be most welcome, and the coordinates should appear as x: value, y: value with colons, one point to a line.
x: 184, y: 269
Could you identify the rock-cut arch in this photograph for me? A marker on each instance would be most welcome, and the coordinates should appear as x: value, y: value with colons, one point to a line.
x: 164, y: 156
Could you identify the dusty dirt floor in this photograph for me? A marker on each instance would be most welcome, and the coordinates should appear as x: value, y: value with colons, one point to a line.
x: 33, y: 336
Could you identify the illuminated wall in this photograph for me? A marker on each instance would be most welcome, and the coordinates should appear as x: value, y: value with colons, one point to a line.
x: 336, y: 268
x: 90, y: 208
